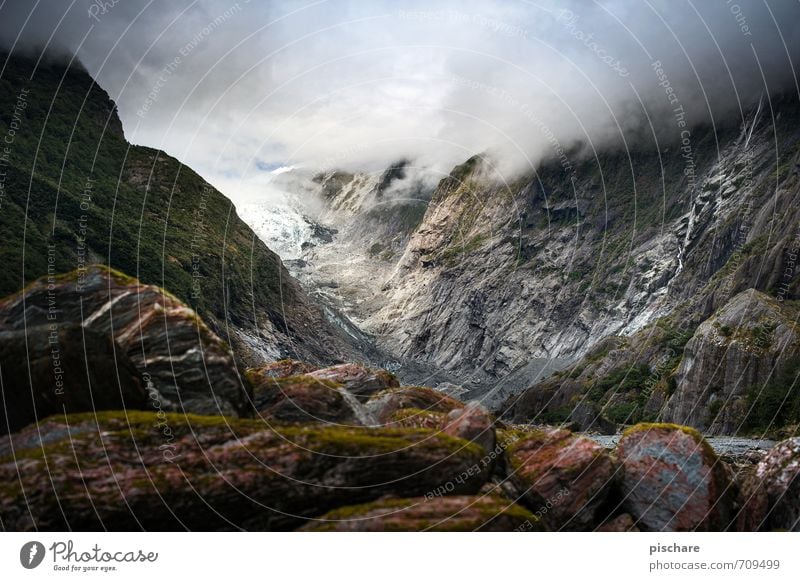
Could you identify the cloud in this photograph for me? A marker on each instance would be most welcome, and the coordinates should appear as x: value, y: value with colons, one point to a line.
x: 234, y: 87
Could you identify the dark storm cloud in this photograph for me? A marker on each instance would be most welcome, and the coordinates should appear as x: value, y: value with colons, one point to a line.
x: 231, y: 86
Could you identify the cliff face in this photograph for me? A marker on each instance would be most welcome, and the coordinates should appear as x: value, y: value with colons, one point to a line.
x: 729, y: 366
x: 75, y: 193
x: 687, y: 353
x: 498, y: 274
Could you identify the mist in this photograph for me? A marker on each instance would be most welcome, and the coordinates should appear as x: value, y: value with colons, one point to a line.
x: 237, y: 89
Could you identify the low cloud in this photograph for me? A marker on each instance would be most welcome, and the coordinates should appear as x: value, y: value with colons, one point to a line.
x: 233, y: 88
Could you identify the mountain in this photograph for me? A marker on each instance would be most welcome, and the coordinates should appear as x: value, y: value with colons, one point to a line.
x: 75, y: 192
x: 588, y: 281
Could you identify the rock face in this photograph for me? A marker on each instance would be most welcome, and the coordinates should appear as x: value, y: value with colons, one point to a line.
x: 737, y: 350
x: 771, y: 496
x: 169, y: 472
x: 507, y: 282
x: 64, y: 370
x: 564, y: 479
x: 733, y: 374
x: 179, y: 360
x: 671, y: 480
x: 446, y: 513
x: 547, y: 266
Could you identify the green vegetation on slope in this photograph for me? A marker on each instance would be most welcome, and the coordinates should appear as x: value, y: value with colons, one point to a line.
x: 76, y: 192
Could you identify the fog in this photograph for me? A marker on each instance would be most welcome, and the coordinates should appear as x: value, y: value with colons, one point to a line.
x: 238, y: 89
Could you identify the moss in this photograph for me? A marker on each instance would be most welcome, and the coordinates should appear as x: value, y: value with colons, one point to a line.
x: 415, y: 514
x: 143, y: 427
x: 415, y: 417
x: 696, y: 436
x: 353, y: 441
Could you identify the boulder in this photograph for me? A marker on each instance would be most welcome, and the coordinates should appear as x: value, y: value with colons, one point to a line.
x: 564, y: 479
x: 671, y: 480
x: 416, y: 418
x: 359, y: 380
x: 301, y: 398
x: 439, y: 514
x: 65, y: 369
x: 185, y: 365
x: 771, y: 495
x: 473, y: 423
x: 282, y: 368
x: 386, y: 403
x: 163, y: 471
x: 619, y: 524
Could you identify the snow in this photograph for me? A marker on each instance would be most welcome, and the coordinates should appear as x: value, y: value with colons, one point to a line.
x: 282, y: 228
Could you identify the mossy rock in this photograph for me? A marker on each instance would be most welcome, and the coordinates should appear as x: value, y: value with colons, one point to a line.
x: 386, y: 403
x: 161, y: 471
x: 672, y: 480
x: 428, y: 513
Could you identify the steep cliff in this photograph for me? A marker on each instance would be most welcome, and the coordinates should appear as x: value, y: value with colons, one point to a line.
x: 75, y: 192
x: 686, y: 354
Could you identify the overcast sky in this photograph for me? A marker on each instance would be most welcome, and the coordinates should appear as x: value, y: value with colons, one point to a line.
x: 237, y: 89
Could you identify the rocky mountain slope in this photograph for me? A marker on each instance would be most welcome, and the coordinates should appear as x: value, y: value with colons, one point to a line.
x: 76, y: 193
x: 715, y: 340
x: 293, y: 447
x: 613, y: 260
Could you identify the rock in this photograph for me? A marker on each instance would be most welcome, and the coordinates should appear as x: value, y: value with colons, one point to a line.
x: 300, y: 398
x: 386, y: 403
x: 564, y: 479
x: 742, y: 346
x: 473, y: 423
x: 65, y: 370
x: 179, y: 359
x: 134, y: 470
x: 620, y: 524
x: 771, y: 496
x: 416, y: 418
x: 451, y: 389
x: 359, y: 380
x: 282, y: 368
x: 444, y: 513
x: 671, y: 480
x: 399, y: 408
x: 589, y: 418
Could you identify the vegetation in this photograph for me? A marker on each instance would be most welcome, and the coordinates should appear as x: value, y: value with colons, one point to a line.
x: 777, y: 403
x: 77, y: 192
